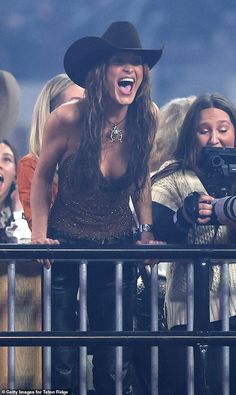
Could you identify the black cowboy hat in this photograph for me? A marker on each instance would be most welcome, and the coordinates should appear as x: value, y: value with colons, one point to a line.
x: 87, y: 52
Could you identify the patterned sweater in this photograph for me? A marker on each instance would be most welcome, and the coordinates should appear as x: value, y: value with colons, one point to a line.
x: 170, y: 192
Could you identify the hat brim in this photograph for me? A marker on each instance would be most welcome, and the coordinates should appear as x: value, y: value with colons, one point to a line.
x: 87, y: 52
x: 9, y: 102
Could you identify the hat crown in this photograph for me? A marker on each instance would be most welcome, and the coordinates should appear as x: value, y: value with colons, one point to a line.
x: 122, y: 35
x: 88, y: 52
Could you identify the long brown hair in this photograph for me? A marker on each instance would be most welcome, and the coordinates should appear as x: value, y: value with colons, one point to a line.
x: 186, y: 153
x: 141, y: 125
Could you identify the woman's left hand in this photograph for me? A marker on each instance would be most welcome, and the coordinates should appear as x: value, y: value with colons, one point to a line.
x: 150, y: 240
x: 146, y: 238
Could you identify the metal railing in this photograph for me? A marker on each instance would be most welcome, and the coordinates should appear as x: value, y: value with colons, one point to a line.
x: 46, y: 338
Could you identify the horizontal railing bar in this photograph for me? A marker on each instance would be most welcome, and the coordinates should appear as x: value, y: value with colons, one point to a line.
x: 24, y: 339
x: 35, y: 251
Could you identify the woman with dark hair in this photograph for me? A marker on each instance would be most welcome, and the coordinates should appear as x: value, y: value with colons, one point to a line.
x: 101, y: 145
x: 188, y: 214
x: 13, y: 226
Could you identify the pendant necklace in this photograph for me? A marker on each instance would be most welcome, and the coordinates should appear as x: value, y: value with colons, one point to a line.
x: 116, y: 134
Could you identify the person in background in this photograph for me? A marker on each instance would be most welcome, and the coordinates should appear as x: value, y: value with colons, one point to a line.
x: 14, y: 229
x: 9, y: 103
x: 101, y: 145
x: 188, y: 214
x: 57, y: 91
x: 13, y: 226
x: 170, y: 121
x: 171, y: 118
x: 11, y: 215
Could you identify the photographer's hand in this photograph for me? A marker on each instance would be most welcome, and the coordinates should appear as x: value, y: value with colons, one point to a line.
x: 205, y: 209
x: 197, y: 209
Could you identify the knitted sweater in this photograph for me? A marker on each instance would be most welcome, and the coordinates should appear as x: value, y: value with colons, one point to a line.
x: 171, y: 191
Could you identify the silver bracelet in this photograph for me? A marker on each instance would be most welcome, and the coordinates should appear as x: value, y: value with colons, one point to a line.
x: 146, y: 228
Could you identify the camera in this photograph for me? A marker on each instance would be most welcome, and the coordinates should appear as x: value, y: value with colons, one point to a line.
x: 218, y: 166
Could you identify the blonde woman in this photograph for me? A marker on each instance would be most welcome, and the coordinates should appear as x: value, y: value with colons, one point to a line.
x: 170, y: 121
x: 57, y: 91
x: 171, y: 116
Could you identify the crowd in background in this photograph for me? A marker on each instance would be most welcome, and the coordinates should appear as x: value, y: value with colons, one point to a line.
x: 183, y: 211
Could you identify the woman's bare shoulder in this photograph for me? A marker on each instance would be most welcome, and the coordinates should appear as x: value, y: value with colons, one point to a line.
x: 68, y: 113
x: 62, y: 124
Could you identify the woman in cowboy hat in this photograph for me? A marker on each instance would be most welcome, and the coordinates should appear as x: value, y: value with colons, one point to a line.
x: 101, y: 146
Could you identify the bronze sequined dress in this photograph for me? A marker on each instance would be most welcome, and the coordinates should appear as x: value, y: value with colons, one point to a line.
x: 93, y: 216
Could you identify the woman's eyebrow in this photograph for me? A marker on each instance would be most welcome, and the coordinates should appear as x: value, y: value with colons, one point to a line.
x: 8, y: 154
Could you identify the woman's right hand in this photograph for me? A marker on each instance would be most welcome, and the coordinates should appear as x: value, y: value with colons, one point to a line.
x: 44, y: 240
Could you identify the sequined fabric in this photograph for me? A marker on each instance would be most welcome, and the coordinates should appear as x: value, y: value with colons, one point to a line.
x: 99, y: 216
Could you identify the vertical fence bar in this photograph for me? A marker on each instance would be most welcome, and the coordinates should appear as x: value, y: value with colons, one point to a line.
x: 46, y: 326
x: 119, y: 324
x: 11, y: 322
x: 201, y: 322
x: 224, y: 308
x: 154, y: 327
x: 190, y: 318
x: 83, y: 324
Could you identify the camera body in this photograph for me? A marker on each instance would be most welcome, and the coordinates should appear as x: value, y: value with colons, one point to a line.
x: 219, y: 170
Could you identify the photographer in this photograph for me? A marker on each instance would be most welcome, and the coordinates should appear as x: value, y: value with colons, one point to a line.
x: 188, y: 214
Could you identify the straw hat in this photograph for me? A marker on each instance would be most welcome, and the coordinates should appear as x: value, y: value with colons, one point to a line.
x: 9, y: 102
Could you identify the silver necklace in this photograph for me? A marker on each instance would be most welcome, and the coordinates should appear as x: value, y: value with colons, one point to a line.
x: 116, y: 134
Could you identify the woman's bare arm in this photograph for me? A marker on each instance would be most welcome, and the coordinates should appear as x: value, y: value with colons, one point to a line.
x: 53, y: 148
x: 143, y: 209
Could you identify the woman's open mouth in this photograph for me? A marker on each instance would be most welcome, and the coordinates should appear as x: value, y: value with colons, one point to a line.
x: 126, y: 85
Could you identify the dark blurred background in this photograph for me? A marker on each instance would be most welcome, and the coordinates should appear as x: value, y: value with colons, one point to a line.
x: 199, y: 39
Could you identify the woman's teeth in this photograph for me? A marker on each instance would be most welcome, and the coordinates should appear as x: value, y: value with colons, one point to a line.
x: 126, y: 81
x: 126, y: 84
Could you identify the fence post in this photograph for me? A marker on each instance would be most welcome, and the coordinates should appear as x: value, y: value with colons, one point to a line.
x: 46, y: 326
x: 11, y: 322
x: 119, y: 324
x: 154, y: 327
x: 190, y: 327
x: 225, y: 327
x: 201, y: 322
x: 83, y: 324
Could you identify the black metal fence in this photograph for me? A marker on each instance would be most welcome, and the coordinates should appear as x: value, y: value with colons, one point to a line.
x: 200, y: 255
